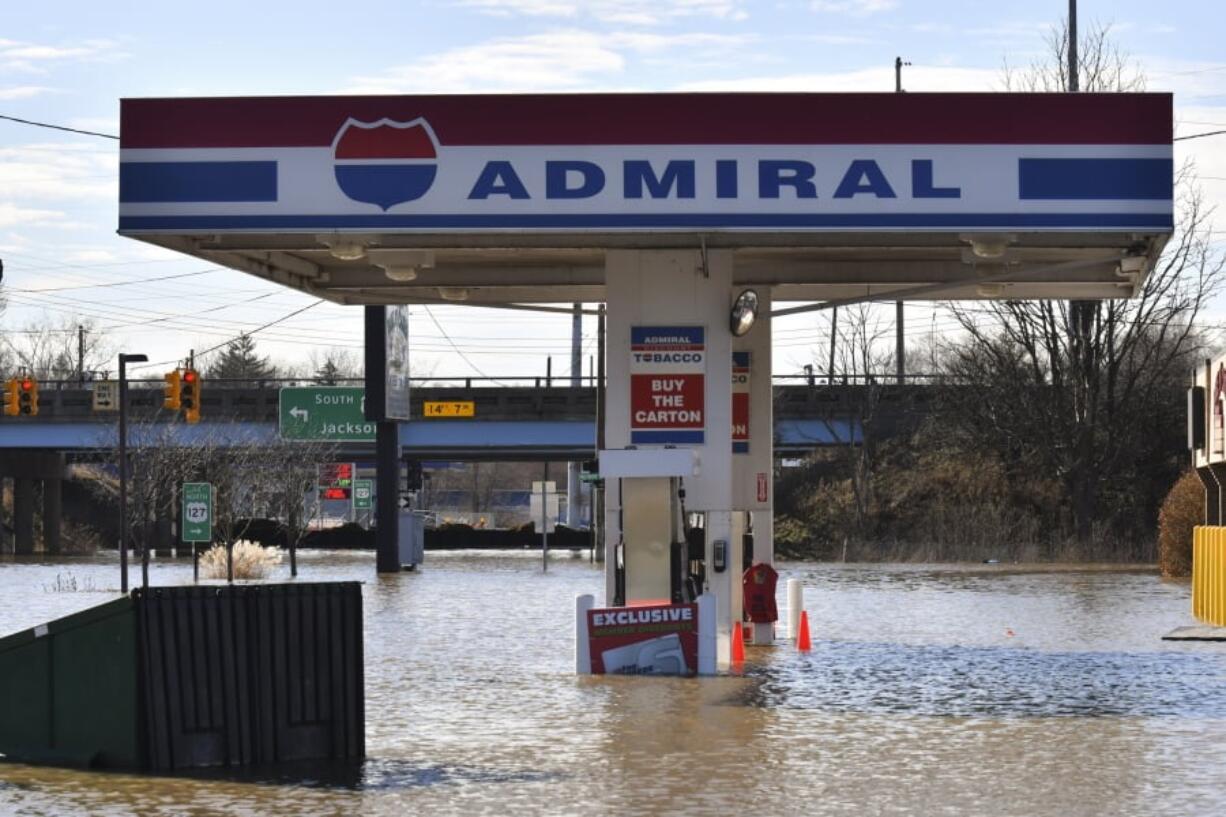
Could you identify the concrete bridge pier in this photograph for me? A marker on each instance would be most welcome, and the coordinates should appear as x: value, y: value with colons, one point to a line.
x: 53, y: 505
x: 23, y: 516
x: 34, y: 472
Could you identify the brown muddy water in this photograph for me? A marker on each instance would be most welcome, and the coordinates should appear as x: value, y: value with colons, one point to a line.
x: 930, y: 690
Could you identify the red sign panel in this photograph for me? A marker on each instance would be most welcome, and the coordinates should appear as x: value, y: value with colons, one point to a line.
x: 656, y: 639
x: 334, y: 493
x: 740, y: 402
x: 667, y: 385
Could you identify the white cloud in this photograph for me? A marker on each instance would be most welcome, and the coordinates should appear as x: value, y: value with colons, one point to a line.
x: 625, y: 12
x: 23, y: 92
x: 921, y: 78
x: 30, y: 57
x: 91, y: 256
x: 556, y: 60
x: 58, y: 172
x: 11, y: 216
x: 856, y: 7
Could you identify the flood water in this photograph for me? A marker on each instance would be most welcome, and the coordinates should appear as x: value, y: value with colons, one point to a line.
x: 930, y: 690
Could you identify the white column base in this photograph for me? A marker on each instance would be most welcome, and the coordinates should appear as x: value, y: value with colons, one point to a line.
x: 796, y: 603
x: 583, y: 644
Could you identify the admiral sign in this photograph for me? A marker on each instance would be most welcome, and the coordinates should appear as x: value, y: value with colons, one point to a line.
x: 667, y: 385
x: 648, y: 163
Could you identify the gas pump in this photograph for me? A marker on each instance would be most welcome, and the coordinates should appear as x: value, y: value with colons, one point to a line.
x: 654, y: 559
x: 661, y: 613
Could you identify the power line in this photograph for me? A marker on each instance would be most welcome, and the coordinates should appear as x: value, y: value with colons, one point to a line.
x: 58, y: 127
x: 121, y: 283
x: 463, y: 356
x: 1199, y: 135
x: 211, y: 349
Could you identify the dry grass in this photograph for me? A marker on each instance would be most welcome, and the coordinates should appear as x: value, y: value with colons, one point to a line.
x: 251, y: 561
x: 1183, y: 509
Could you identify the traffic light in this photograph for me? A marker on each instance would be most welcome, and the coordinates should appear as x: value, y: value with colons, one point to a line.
x: 173, y: 391
x: 190, y: 395
x: 413, y: 475
x: 12, y: 400
x: 29, y: 396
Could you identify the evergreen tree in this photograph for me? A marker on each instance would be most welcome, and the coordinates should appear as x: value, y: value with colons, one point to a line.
x: 329, y: 373
x: 240, y: 361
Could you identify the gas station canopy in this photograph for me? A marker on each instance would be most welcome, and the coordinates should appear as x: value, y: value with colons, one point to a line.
x: 504, y: 199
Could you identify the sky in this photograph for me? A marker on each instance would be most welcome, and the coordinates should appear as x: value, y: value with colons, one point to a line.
x: 68, y: 62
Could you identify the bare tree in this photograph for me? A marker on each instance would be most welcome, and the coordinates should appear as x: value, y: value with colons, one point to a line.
x: 1085, y: 396
x: 1077, y: 388
x: 58, y: 350
x: 1101, y: 65
x: 862, y: 356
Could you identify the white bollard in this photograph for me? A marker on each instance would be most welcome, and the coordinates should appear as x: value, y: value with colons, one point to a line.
x: 583, y: 644
x: 707, y: 637
x: 796, y: 603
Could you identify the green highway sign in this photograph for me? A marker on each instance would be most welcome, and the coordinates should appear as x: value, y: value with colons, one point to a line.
x: 363, y: 494
x: 197, y: 524
x: 335, y: 413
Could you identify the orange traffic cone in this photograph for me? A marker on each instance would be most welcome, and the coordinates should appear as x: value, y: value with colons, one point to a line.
x: 802, y: 638
x: 738, y: 644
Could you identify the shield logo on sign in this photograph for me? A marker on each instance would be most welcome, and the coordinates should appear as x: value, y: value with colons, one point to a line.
x: 385, y: 163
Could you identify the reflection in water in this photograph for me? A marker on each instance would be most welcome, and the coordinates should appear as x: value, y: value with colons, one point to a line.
x: 994, y: 682
x: 930, y: 689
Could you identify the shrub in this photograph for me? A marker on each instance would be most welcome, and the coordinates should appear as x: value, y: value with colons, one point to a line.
x: 251, y: 561
x: 1183, y: 509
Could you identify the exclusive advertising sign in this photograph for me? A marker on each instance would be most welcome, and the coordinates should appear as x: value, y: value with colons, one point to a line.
x: 740, y: 402
x: 641, y: 163
x: 667, y: 385
x: 656, y: 639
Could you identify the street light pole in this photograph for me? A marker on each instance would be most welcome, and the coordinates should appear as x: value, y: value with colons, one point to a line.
x: 124, y: 360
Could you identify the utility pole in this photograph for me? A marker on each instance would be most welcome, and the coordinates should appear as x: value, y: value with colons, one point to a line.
x: 124, y: 360
x: 898, y: 64
x: 573, y: 485
x: 900, y: 347
x: 834, y: 340
x: 81, y: 355
x: 1074, y: 84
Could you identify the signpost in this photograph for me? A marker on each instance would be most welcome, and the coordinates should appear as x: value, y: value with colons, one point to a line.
x: 363, y: 494
x: 106, y: 395
x: 449, y: 408
x: 332, y: 413
x: 196, y: 520
x: 197, y: 512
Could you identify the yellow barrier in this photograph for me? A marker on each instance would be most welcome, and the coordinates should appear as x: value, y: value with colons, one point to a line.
x: 1209, y: 574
